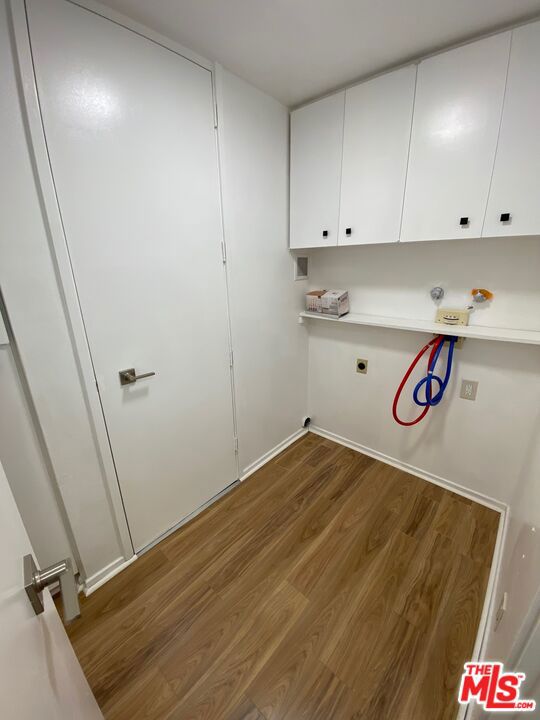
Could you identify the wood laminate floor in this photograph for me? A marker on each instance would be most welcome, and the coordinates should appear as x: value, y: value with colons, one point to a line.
x: 327, y: 586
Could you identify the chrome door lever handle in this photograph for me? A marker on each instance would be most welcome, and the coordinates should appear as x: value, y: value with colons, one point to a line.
x: 35, y: 581
x: 128, y: 377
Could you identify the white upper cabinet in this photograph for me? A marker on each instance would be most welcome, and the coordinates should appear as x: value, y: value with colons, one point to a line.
x: 316, y: 146
x: 515, y: 188
x: 457, y: 113
x: 378, y: 116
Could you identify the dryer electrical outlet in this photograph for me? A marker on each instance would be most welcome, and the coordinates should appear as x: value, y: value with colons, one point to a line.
x: 361, y: 366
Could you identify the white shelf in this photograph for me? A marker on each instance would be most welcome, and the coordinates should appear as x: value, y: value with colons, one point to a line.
x: 479, y: 332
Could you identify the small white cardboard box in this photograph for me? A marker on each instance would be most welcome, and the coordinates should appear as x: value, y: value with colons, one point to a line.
x: 313, y: 301
x: 335, y: 302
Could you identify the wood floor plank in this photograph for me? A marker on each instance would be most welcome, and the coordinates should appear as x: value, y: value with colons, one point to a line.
x: 419, y: 595
x: 297, y: 452
x: 421, y: 517
x: 187, y: 660
x: 245, y: 711
x: 319, y: 696
x: 359, y: 529
x: 355, y: 524
x: 388, y: 678
x: 450, y: 641
x: 175, y: 594
x: 219, y: 691
x: 484, y: 535
x: 120, y: 592
x: 267, y: 488
x: 289, y: 530
x: 290, y: 668
x: 433, y: 492
x: 455, y: 520
x: 327, y: 585
x: 148, y: 696
x: 115, y: 665
x: 188, y: 551
x: 360, y: 628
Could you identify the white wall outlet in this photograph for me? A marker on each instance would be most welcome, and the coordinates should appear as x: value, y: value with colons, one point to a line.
x: 469, y: 388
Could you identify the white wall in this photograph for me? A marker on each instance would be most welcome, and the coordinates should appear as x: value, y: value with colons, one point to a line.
x: 35, y: 306
x: 395, y: 279
x: 491, y: 446
x: 270, y: 348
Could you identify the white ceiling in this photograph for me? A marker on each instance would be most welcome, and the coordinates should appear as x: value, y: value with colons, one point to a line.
x: 298, y: 49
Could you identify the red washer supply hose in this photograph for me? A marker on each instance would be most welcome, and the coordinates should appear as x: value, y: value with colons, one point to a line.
x: 434, y: 344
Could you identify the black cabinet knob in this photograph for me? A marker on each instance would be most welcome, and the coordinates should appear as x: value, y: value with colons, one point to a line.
x: 505, y: 217
x: 464, y: 221
x: 325, y: 233
x: 348, y: 231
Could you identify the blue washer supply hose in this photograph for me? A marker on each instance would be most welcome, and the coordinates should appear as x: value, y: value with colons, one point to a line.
x: 432, y: 399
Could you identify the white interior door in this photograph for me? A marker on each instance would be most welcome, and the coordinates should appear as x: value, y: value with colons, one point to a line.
x: 377, y: 130
x: 130, y: 132
x: 316, y: 148
x: 457, y: 113
x: 40, y: 677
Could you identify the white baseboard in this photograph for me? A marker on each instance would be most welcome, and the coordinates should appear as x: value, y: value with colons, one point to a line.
x: 105, y: 574
x: 254, y: 466
x: 430, y: 477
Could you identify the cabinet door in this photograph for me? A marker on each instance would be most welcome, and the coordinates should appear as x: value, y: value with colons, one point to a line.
x: 515, y: 189
x: 316, y: 146
x: 377, y: 131
x: 457, y: 113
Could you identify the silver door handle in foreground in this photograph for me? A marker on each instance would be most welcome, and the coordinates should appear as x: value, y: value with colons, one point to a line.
x: 127, y: 377
x: 35, y: 581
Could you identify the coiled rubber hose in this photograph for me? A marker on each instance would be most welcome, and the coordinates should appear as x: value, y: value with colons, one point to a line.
x: 436, y: 347
x: 430, y: 377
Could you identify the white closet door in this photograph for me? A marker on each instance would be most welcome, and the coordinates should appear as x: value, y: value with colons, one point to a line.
x: 316, y: 146
x: 378, y: 116
x: 515, y: 189
x: 457, y: 112
x: 130, y: 132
